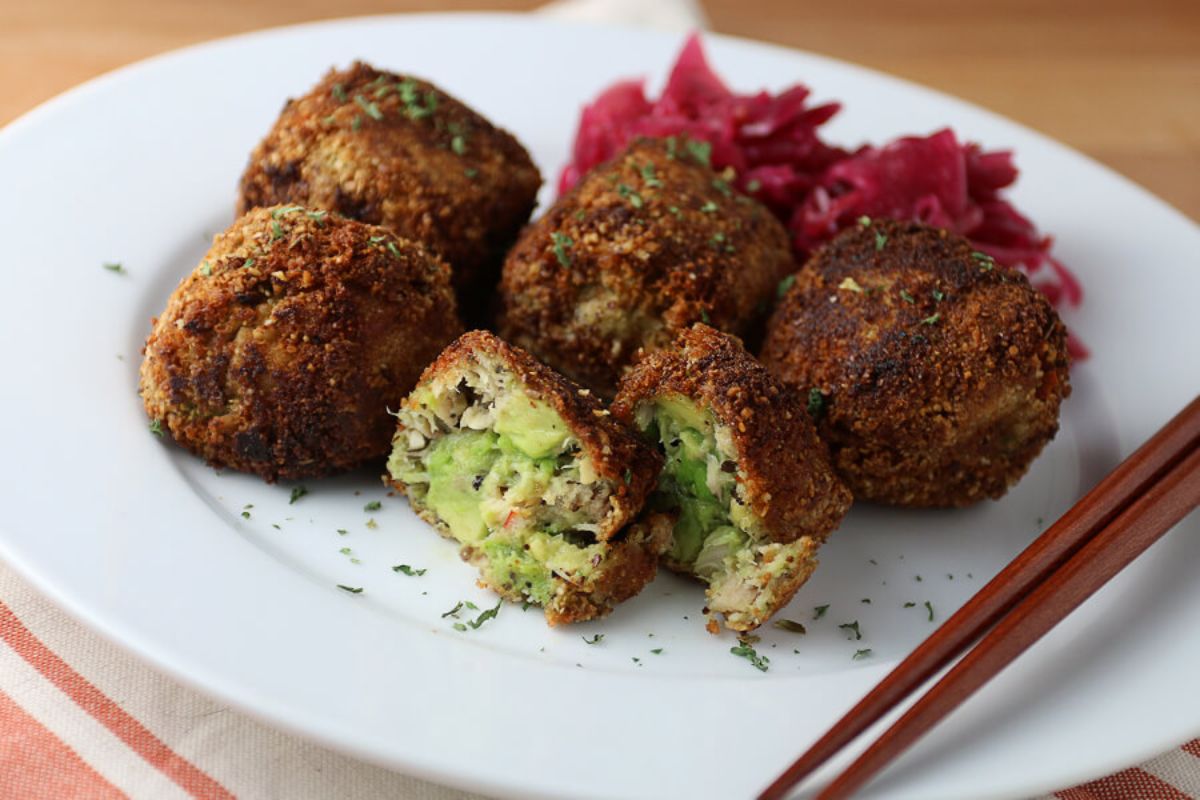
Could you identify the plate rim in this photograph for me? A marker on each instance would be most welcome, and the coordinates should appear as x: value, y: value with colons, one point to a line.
x: 145, y: 650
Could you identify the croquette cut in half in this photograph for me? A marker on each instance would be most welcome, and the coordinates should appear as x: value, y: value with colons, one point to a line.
x: 532, y: 476
x: 283, y: 349
x: 936, y: 373
x: 643, y: 247
x: 399, y: 152
x: 745, y: 472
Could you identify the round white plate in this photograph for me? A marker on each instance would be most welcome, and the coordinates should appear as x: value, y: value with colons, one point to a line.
x: 151, y: 548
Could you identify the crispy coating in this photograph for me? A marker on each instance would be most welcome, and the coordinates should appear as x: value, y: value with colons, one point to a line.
x: 399, y: 152
x: 281, y: 352
x: 940, y: 373
x: 641, y: 248
x: 783, y: 469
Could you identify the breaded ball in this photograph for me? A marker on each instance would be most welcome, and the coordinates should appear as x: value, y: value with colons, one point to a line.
x: 745, y: 472
x: 640, y: 249
x: 396, y: 151
x: 282, y: 351
x: 532, y: 476
x: 936, y: 374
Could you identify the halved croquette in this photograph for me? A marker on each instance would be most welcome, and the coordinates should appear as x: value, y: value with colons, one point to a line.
x: 745, y: 472
x: 532, y: 476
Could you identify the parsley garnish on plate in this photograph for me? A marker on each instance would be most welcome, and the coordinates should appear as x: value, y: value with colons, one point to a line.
x: 819, y: 611
x: 861, y: 654
x: 156, y: 427
x: 115, y: 266
x: 350, y: 589
x: 374, y: 505
x: 851, y: 628
x: 929, y: 608
x: 746, y: 650
x: 475, y: 624
x: 297, y: 493
x: 791, y: 626
x: 597, y: 639
x: 409, y: 571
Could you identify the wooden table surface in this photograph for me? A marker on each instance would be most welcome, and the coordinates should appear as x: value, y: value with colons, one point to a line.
x: 1117, y: 80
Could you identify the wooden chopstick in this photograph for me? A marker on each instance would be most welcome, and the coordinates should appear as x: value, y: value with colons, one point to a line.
x: 1135, y: 529
x: 1133, y: 478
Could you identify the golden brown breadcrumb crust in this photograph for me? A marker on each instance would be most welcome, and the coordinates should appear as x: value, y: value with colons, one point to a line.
x: 941, y: 372
x: 617, y: 453
x: 644, y: 246
x: 281, y: 352
x: 399, y: 152
x: 783, y: 470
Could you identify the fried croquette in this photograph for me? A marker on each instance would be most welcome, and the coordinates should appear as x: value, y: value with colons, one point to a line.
x: 936, y: 374
x: 640, y: 249
x: 282, y: 351
x: 396, y: 151
x: 745, y: 472
x: 532, y: 476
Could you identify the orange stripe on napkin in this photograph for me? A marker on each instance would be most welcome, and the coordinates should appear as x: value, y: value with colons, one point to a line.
x: 1125, y: 785
x: 106, y: 712
x: 37, y: 765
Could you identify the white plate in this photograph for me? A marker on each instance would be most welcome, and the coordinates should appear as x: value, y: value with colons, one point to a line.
x: 149, y: 547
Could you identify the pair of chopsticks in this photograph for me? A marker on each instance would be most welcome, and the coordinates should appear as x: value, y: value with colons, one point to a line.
x: 1114, y: 523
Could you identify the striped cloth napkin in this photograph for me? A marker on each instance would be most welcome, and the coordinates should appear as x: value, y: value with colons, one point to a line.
x: 80, y: 718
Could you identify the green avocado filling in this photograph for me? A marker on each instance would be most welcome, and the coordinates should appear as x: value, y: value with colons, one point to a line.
x: 717, y: 536
x: 499, y: 491
x: 698, y: 482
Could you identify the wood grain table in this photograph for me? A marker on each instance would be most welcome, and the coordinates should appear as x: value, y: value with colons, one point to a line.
x: 1117, y: 80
